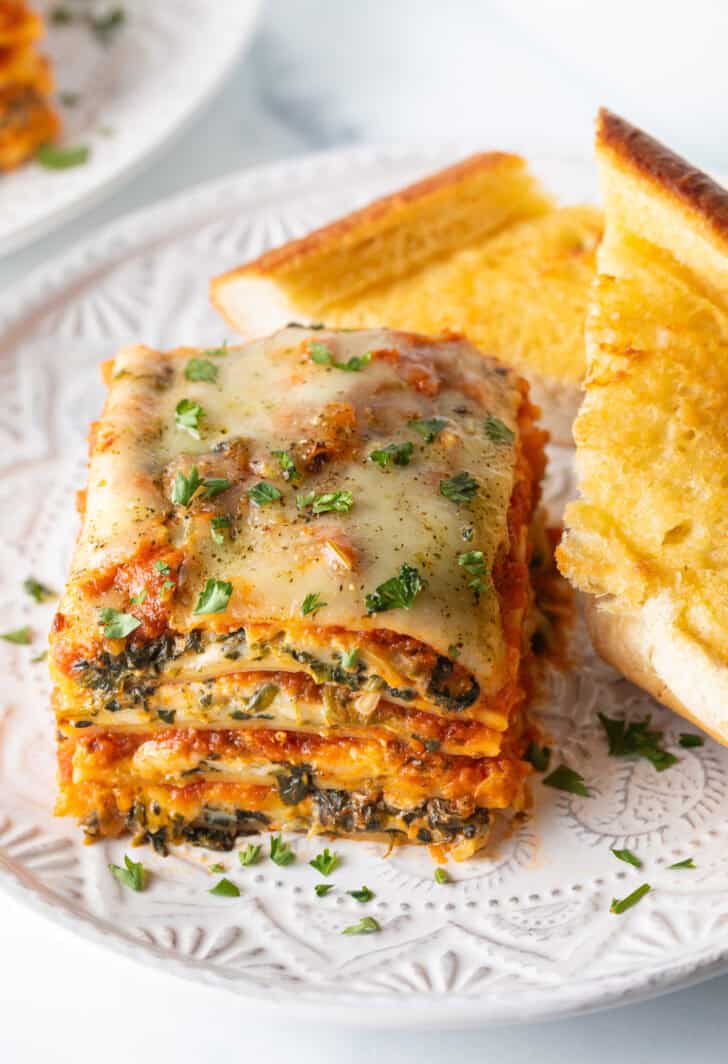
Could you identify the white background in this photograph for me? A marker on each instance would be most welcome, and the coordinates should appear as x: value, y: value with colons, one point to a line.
x: 524, y: 75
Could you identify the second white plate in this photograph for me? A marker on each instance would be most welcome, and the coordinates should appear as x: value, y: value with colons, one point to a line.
x: 129, y: 97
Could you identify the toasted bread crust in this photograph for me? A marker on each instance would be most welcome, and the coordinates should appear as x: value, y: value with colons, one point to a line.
x: 626, y: 642
x: 673, y: 177
x: 360, y: 220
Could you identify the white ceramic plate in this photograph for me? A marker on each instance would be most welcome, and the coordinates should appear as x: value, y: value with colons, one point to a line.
x: 526, y: 934
x: 134, y: 94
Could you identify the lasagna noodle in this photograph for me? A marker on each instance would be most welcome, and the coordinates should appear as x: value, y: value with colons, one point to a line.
x: 435, y: 682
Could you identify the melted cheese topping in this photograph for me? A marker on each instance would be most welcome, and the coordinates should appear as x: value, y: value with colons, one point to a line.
x: 270, y: 396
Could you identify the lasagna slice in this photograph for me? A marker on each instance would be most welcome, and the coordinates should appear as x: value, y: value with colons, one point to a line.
x: 300, y: 596
x: 647, y: 540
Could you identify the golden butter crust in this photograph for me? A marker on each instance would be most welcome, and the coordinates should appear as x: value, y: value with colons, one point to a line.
x: 672, y: 176
x: 359, y: 221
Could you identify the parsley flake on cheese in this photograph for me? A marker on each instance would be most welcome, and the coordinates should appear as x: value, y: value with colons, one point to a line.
x: 497, y: 430
x: 118, y: 625
x: 473, y: 562
x: 214, y: 597
x: 187, y: 416
x: 428, y: 427
x: 461, y: 488
x: 263, y: 493
x: 311, y: 603
x: 399, y: 592
x: 201, y: 369
x: 398, y: 454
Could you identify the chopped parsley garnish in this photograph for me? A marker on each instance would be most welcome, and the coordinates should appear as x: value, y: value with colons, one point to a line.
x: 453, y: 651
x: 467, y: 534
x: 263, y: 493
x: 364, y: 895
x: 187, y: 416
x: 349, y: 658
x: 325, y: 862
x: 217, y: 529
x: 201, y: 369
x: 185, y: 488
x: 497, y: 431
x: 167, y: 585
x: 139, y: 598
x: 61, y: 15
x: 690, y: 739
x: 356, y: 363
x: 620, y: 906
x: 322, y: 889
x: 214, y: 597
x: 216, y: 868
x: 287, y: 466
x: 118, y: 625
x: 39, y: 657
x: 428, y: 427
x: 473, y: 562
x: 366, y: 926
x: 311, y: 603
x: 214, y: 486
x: 280, y: 852
x: 36, y: 590
x: 225, y: 889
x: 106, y: 24
x: 21, y: 636
x: 628, y: 857
x: 250, y: 855
x: 216, y: 352
x: 322, y: 356
x: 132, y: 875
x: 538, y: 756
x: 54, y: 158
x: 460, y: 489
x: 441, y: 876
x: 162, y: 567
x: 636, y: 740
x: 167, y: 715
x: 564, y: 778
x: 393, y: 454
x: 399, y: 592
x: 687, y: 863
x: 339, y: 501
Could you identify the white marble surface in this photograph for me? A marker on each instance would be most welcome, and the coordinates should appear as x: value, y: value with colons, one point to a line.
x: 527, y: 76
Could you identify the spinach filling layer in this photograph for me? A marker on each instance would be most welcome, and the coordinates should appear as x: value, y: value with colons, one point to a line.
x: 337, y: 811
x: 130, y: 678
